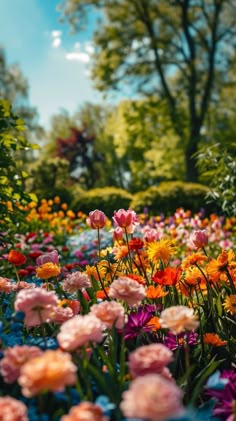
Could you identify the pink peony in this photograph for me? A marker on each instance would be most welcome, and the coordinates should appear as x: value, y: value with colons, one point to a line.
x: 85, y: 411
x: 128, y: 290
x: 152, y: 398
x: 126, y: 219
x: 51, y: 257
x: 61, y: 314
x: 75, y: 281
x: 13, y: 360
x: 51, y: 371
x: 37, y: 304
x: 149, y: 359
x: 178, y: 318
x: 96, y: 219
x: 12, y: 410
x: 110, y: 313
x: 78, y: 331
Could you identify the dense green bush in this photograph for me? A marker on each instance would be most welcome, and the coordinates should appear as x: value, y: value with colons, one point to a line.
x: 170, y: 195
x: 106, y: 199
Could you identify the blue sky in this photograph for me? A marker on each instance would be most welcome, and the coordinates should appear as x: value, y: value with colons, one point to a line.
x: 55, y: 63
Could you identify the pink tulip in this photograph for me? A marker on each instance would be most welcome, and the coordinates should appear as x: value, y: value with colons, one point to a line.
x: 48, y: 257
x: 126, y: 219
x: 96, y: 219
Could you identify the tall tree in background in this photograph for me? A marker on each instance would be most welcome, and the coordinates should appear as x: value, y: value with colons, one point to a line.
x: 179, y: 49
x: 15, y: 89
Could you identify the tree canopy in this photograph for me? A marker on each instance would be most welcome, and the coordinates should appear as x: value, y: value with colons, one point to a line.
x: 181, y: 50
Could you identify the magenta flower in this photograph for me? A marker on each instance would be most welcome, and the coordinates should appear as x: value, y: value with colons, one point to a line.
x: 48, y: 257
x: 225, y: 397
x: 178, y: 341
x: 137, y: 323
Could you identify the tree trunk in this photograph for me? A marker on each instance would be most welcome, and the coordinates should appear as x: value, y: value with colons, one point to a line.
x: 190, y: 160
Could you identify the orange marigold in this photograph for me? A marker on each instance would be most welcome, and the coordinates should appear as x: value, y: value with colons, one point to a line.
x: 213, y: 339
x: 193, y: 259
x: 230, y: 304
x: 48, y: 270
x: 155, y: 292
x: 224, y: 261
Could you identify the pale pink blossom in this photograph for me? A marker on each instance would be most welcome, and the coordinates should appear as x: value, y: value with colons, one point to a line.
x: 126, y: 219
x: 149, y: 359
x: 61, y: 314
x: 152, y: 398
x: 128, y: 290
x: 53, y: 370
x: 14, y: 358
x: 75, y: 281
x: 85, y: 411
x: 198, y: 239
x: 110, y: 313
x: 178, y: 319
x: 96, y: 219
x: 37, y: 304
x: 5, y: 285
x: 151, y: 235
x: 12, y: 410
x: 51, y: 257
x: 80, y: 330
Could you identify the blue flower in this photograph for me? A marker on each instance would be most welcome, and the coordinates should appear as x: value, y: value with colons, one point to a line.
x: 104, y: 402
x: 216, y: 382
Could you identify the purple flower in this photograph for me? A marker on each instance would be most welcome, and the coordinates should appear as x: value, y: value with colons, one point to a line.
x: 136, y: 324
x: 226, y: 397
x: 178, y: 341
x: 48, y: 257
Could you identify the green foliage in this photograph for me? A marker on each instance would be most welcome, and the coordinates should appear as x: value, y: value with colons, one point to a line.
x: 50, y: 178
x: 218, y: 169
x: 12, y: 178
x: 170, y: 195
x: 106, y: 199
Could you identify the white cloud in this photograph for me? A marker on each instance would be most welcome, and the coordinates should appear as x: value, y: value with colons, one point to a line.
x: 82, y: 57
x: 56, y: 42
x: 56, y: 34
x: 89, y: 48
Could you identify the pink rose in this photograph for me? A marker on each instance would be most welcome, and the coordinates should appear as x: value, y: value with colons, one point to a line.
x: 75, y: 281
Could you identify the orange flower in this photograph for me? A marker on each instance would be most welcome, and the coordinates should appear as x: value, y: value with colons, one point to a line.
x: 224, y: 261
x: 136, y: 278
x: 154, y: 323
x: 92, y: 272
x: 193, y: 259
x: 51, y: 371
x: 48, y: 270
x: 155, y: 292
x: 101, y: 294
x: 168, y: 276
x: 85, y: 411
x: 230, y: 304
x: 193, y: 276
x: 213, y: 339
x: 16, y: 258
x: 120, y: 252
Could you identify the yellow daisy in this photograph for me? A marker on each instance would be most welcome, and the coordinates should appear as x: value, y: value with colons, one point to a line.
x: 230, y: 304
x: 160, y: 250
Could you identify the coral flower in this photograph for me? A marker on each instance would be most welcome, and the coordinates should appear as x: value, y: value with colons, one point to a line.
x: 168, y: 276
x: 156, y: 292
x: 37, y: 304
x: 213, y: 339
x: 14, y: 358
x: 52, y: 371
x: 230, y: 304
x: 179, y: 318
x: 160, y: 250
x: 153, y: 398
x: 85, y: 411
x: 5, y: 285
x: 96, y: 219
x: 128, y: 290
x: 48, y: 270
x: 224, y: 261
x: 149, y: 359
x: 12, y: 410
x: 110, y: 313
x: 137, y: 278
x: 16, y: 258
x: 80, y: 330
x: 75, y: 281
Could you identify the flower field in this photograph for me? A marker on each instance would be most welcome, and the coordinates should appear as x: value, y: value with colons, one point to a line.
x: 131, y: 318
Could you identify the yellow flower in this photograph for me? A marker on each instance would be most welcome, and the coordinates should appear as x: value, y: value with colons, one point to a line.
x: 48, y: 270
x: 160, y: 250
x: 230, y: 304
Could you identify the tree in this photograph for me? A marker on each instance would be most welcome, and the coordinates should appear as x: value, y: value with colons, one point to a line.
x: 15, y: 89
x: 179, y: 49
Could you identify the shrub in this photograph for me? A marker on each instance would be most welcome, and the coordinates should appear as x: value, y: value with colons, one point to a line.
x: 170, y: 195
x: 107, y: 199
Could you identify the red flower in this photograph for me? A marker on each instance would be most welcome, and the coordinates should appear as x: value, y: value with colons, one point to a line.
x: 35, y: 254
x: 136, y: 244
x: 16, y: 258
x: 168, y: 276
x: 23, y: 272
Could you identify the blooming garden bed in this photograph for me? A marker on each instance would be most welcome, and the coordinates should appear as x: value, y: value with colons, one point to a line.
x: 125, y: 319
